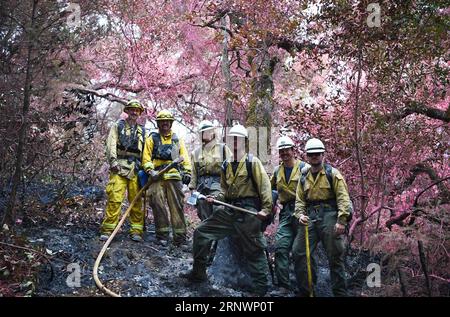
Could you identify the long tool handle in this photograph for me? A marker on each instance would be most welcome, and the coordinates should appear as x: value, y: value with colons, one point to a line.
x: 122, y: 220
x: 308, y: 262
x: 251, y: 212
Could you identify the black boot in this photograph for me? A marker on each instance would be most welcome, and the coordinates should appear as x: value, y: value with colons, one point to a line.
x: 196, y: 275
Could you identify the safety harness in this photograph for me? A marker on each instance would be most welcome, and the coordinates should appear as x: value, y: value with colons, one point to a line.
x: 163, y: 151
x: 205, y: 180
x: 128, y: 145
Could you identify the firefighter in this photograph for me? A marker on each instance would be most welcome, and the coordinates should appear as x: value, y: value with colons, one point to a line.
x: 323, y: 203
x: 124, y: 147
x: 284, y: 180
x: 161, y: 148
x: 244, y: 183
x: 207, y: 160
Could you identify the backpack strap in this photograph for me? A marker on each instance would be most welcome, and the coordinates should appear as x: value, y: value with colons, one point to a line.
x: 121, y: 126
x: 303, y: 176
x: 249, y: 167
x: 175, y: 138
x: 329, y: 174
x: 275, y: 175
x: 222, y: 146
x: 156, y: 137
x: 301, y: 166
x: 275, y: 171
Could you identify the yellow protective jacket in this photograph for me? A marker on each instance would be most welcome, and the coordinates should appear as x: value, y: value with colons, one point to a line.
x: 239, y: 186
x: 286, y: 190
x: 319, y: 189
x: 150, y: 163
x: 208, y: 160
x: 117, y: 156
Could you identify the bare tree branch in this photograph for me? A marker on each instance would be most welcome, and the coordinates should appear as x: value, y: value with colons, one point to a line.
x: 419, y: 108
x: 108, y: 96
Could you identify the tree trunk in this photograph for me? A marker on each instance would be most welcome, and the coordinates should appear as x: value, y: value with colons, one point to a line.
x: 423, y: 263
x: 10, y: 214
x: 363, y: 195
x: 259, y: 117
x: 229, y: 115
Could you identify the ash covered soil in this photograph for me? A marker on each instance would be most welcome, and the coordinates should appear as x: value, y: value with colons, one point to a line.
x: 148, y: 269
x: 69, y: 236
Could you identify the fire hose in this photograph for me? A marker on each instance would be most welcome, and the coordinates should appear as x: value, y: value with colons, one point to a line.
x: 122, y: 220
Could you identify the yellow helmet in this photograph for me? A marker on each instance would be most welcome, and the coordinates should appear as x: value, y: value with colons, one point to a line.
x: 164, y: 115
x: 134, y: 104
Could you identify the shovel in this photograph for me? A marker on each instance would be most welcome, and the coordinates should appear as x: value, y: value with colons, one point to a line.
x: 195, y: 196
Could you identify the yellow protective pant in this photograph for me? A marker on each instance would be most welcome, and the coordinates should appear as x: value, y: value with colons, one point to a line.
x: 163, y: 194
x: 115, y: 190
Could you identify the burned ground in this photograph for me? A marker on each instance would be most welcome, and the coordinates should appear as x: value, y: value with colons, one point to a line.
x: 68, y: 236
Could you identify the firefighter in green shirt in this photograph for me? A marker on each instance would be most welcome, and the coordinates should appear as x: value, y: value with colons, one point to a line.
x: 322, y: 202
x: 284, y: 180
x: 207, y: 161
x: 253, y: 194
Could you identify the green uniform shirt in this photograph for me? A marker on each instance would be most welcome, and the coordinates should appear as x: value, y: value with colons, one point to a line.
x: 238, y: 185
x: 320, y: 189
x: 207, y: 160
x: 286, y: 189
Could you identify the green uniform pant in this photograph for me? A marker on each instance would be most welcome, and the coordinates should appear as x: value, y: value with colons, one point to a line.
x: 115, y: 191
x: 321, y: 230
x: 163, y: 195
x: 246, y: 230
x: 283, y: 244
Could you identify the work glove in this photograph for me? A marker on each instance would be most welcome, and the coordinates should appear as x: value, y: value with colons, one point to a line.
x: 186, y: 179
x: 153, y: 174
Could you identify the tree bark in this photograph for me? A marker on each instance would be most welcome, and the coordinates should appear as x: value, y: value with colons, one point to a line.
x: 423, y: 263
x: 10, y: 214
x: 363, y: 194
x: 260, y: 109
x: 225, y: 65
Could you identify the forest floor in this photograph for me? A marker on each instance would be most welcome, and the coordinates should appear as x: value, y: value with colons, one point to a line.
x: 66, y: 238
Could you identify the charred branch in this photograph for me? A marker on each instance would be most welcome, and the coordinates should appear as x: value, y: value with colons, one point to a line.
x: 414, y: 107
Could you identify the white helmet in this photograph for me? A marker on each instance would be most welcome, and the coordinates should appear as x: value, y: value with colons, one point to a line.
x: 285, y: 142
x: 314, y: 146
x: 205, y: 125
x: 238, y: 131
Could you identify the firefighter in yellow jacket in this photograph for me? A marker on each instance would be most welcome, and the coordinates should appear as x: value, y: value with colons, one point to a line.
x: 322, y: 202
x: 241, y: 189
x: 160, y: 149
x: 284, y: 180
x: 124, y: 153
